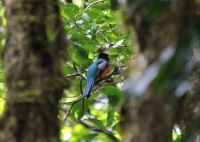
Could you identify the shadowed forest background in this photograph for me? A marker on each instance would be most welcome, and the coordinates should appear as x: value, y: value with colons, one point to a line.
x: 151, y: 93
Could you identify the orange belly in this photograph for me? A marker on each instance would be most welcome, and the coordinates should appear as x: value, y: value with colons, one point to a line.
x: 105, y: 72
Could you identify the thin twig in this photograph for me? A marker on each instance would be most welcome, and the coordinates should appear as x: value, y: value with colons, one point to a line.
x: 77, y: 73
x: 121, y: 72
x: 75, y: 67
x: 82, y: 109
x: 80, y: 68
x: 69, y: 110
x: 104, y: 38
x: 81, y: 89
x: 72, y: 75
x: 108, y: 133
x: 89, y: 7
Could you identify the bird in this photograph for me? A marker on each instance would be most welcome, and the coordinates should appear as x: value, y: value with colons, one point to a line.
x: 97, y: 70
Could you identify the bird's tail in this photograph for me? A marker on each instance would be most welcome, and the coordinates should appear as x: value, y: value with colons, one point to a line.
x: 88, y: 89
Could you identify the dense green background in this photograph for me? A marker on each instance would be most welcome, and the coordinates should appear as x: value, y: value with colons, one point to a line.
x: 98, y: 29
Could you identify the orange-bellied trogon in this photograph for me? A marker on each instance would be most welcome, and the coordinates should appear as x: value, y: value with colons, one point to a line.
x: 97, y: 70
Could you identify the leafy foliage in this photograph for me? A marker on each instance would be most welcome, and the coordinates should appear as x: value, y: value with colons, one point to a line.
x: 91, y: 30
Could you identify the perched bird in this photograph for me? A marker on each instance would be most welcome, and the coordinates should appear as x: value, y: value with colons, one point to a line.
x: 97, y: 70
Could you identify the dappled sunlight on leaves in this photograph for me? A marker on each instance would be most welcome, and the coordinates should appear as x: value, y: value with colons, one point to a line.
x: 93, y: 30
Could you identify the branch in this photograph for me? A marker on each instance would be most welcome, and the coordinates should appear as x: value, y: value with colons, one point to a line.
x: 101, y: 82
x: 78, y: 73
x: 121, y: 72
x: 108, y: 133
x: 115, y: 71
x: 69, y: 110
x: 89, y: 7
x: 81, y: 86
x: 82, y: 109
x: 104, y: 38
x: 118, y: 69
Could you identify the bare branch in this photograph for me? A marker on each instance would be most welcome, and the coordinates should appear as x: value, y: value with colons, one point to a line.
x: 81, y: 86
x: 69, y: 110
x: 78, y: 73
x: 121, y: 72
x: 75, y: 67
x: 82, y: 109
x: 108, y: 133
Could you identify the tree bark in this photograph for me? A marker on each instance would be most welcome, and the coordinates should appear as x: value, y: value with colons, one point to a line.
x: 189, y: 122
x: 153, y: 118
x: 32, y: 63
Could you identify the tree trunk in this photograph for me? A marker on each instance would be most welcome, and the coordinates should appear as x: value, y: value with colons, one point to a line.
x: 153, y: 118
x: 189, y: 123
x: 32, y: 71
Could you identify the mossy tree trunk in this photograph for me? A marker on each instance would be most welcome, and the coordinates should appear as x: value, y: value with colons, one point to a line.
x: 153, y: 118
x: 33, y: 76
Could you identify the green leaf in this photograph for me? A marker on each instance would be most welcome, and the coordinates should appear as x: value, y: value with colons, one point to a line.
x: 89, y: 48
x: 78, y: 108
x: 81, y: 58
x: 112, y: 91
x: 113, y: 101
x: 86, y: 17
x: 111, y: 21
x: 110, y: 15
x: 110, y: 117
x: 84, y: 42
x: 81, y: 39
x: 68, y: 69
x: 70, y: 10
x: 4, y: 20
x: 116, y: 126
x: 94, y: 13
x: 89, y: 137
x: 98, y: 123
x: 113, y: 94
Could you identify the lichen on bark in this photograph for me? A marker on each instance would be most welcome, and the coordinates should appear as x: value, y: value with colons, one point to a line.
x: 33, y: 75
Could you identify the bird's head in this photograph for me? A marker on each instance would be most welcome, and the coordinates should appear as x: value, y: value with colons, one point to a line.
x: 103, y: 56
